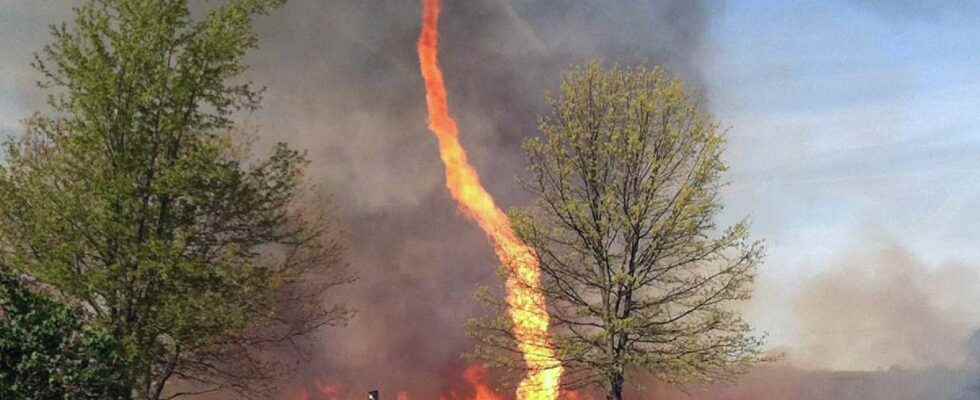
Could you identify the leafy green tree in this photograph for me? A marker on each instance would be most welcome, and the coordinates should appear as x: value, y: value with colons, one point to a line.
x: 46, y: 353
x: 134, y: 200
x: 640, y: 281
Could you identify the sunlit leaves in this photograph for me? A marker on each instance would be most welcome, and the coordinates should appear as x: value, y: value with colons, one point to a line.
x: 131, y: 199
x: 639, y: 279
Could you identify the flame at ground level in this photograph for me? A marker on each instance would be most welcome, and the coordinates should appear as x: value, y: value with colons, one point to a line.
x: 321, y: 391
x: 476, y: 377
x: 473, y: 386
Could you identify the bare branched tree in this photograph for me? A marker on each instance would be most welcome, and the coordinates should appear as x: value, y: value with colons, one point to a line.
x: 639, y: 278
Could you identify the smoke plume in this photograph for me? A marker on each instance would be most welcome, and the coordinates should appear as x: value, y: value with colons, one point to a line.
x: 885, y: 307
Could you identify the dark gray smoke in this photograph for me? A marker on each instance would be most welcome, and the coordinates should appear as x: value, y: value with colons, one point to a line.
x: 343, y: 82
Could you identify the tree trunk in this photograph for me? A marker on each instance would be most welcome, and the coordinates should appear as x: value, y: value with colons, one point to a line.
x: 615, y: 387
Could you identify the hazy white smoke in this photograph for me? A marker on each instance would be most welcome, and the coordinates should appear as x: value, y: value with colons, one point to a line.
x: 879, y: 308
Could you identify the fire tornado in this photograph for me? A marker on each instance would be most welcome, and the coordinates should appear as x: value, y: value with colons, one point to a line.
x: 526, y: 304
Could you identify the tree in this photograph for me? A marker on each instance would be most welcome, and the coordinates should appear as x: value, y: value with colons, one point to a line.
x: 639, y: 279
x: 134, y: 201
x: 46, y: 353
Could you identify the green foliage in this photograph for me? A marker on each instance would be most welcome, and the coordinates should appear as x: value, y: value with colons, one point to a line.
x: 133, y: 198
x: 46, y: 353
x: 639, y: 279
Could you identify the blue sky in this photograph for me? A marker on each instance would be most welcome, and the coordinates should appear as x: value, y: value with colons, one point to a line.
x: 851, y: 125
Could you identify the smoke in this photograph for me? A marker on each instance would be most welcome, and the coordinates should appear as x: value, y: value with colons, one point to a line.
x: 884, y: 307
x: 878, y: 322
x: 23, y: 35
x: 343, y: 82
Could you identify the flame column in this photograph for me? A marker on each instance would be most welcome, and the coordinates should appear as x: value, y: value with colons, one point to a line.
x: 526, y: 304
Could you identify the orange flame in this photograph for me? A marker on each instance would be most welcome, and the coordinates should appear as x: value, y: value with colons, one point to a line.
x: 324, y: 391
x: 526, y: 304
x: 476, y: 377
